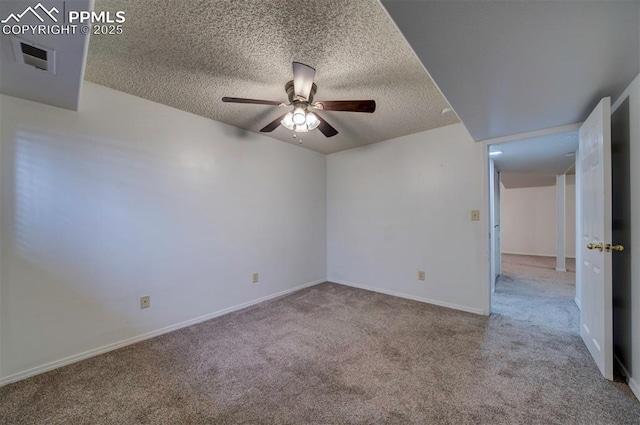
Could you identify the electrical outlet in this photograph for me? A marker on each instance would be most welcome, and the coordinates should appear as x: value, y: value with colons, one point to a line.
x: 475, y: 215
x: 421, y: 275
x: 145, y: 302
x: 256, y: 278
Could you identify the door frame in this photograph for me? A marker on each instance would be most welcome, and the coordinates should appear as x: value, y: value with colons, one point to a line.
x: 495, y: 247
x: 492, y: 235
x: 632, y: 92
x: 487, y: 197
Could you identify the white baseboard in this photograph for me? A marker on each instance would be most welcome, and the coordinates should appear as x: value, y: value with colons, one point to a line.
x: 577, y: 301
x: 410, y: 297
x: 536, y: 255
x: 529, y: 254
x: 635, y: 388
x: 114, y: 346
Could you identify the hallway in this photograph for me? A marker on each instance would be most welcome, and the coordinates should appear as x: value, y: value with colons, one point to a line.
x: 531, y: 292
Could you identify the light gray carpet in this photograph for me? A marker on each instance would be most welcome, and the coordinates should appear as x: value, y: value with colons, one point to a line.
x: 333, y: 354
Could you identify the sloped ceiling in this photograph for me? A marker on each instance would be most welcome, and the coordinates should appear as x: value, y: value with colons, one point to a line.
x: 511, y: 67
x: 189, y: 54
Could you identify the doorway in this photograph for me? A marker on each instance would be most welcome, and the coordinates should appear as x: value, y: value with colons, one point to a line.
x: 532, y: 217
x: 530, y: 287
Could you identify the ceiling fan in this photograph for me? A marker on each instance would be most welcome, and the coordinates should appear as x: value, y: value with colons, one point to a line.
x: 300, y: 92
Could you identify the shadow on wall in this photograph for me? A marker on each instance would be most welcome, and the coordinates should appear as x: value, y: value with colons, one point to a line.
x: 97, y: 223
x: 84, y: 206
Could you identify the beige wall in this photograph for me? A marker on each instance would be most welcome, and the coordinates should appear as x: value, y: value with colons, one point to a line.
x: 529, y: 218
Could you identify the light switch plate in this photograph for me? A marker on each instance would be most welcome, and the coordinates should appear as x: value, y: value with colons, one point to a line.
x: 475, y: 215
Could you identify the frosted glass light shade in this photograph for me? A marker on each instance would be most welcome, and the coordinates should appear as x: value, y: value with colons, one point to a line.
x: 312, y: 121
x: 299, y: 116
x: 287, y: 121
x: 300, y: 121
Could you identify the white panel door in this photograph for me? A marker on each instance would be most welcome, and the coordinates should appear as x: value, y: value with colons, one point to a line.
x: 596, y: 323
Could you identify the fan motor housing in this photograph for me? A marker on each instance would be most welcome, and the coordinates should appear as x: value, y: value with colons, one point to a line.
x: 291, y: 93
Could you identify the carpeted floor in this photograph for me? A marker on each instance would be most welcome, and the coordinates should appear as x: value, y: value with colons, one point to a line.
x: 333, y: 354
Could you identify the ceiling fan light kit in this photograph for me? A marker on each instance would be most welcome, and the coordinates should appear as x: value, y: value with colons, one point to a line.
x: 300, y: 121
x: 300, y: 92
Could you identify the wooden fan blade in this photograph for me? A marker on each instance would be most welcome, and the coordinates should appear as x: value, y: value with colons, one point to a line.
x: 326, y: 128
x: 252, y: 101
x: 303, y: 76
x: 347, y: 105
x: 273, y: 124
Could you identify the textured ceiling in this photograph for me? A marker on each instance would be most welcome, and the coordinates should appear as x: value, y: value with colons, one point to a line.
x: 189, y: 54
x: 510, y: 67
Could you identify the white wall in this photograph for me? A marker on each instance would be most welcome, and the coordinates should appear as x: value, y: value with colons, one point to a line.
x: 128, y: 198
x: 529, y: 218
x: 404, y: 205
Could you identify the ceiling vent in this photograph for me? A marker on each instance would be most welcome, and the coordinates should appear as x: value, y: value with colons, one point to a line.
x: 33, y: 55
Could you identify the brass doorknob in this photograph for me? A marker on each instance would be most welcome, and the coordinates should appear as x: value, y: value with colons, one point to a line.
x: 597, y: 246
x: 617, y: 248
